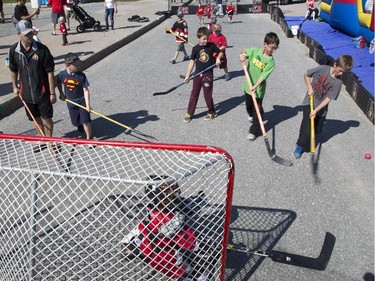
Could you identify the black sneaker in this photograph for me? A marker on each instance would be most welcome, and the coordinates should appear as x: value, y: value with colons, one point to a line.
x: 39, y: 148
x: 131, y: 250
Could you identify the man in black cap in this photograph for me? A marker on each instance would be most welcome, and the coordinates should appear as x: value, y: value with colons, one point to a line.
x: 33, y: 64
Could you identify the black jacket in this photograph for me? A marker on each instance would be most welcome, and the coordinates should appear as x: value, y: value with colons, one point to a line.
x: 33, y: 68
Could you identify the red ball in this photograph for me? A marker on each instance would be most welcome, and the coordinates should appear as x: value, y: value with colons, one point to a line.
x: 368, y: 156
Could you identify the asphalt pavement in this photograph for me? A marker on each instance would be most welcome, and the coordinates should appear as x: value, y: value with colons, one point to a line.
x: 338, y: 196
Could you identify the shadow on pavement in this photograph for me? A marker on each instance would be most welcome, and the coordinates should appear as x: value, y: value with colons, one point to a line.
x: 104, y: 129
x: 255, y: 229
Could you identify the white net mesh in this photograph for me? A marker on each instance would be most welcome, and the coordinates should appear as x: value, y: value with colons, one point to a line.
x: 117, y: 211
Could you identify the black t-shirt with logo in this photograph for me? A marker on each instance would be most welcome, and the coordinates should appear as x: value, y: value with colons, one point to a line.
x: 204, y: 56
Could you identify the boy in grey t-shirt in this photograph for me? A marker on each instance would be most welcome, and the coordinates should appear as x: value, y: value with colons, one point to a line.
x: 325, y: 86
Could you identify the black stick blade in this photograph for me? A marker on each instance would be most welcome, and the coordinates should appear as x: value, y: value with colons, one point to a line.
x: 144, y: 135
x: 164, y: 93
x: 319, y: 263
x: 281, y: 161
x: 274, y: 157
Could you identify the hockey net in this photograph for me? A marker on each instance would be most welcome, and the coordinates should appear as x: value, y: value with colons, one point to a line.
x: 109, y: 210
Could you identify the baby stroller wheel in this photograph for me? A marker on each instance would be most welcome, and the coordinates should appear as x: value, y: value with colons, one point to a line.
x: 97, y: 26
x: 80, y: 28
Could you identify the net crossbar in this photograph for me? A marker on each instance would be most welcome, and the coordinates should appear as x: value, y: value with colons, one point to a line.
x: 112, y: 211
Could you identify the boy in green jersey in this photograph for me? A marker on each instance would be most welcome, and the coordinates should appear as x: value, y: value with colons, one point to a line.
x: 260, y: 66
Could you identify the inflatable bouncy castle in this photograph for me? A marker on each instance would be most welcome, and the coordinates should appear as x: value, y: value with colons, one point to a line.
x: 349, y: 16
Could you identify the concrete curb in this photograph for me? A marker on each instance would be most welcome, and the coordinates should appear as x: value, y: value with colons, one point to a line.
x: 11, y: 103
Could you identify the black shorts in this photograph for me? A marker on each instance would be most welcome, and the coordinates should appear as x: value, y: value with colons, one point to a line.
x: 223, y: 63
x: 180, y: 46
x: 79, y: 116
x: 43, y: 109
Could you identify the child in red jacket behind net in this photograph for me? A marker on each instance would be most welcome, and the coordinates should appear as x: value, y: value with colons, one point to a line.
x: 63, y: 30
x: 230, y: 11
x: 164, y: 239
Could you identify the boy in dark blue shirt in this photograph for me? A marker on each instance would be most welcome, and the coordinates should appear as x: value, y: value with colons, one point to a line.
x: 73, y: 85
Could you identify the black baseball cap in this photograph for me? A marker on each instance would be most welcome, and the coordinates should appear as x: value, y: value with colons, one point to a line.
x: 73, y: 59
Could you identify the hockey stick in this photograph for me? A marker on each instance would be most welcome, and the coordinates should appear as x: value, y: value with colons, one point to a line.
x: 182, y: 83
x: 175, y: 34
x: 318, y: 263
x: 54, y: 149
x: 32, y: 116
x: 312, y: 133
x: 273, y: 156
x: 113, y: 121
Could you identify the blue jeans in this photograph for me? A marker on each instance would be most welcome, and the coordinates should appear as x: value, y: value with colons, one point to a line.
x: 109, y: 12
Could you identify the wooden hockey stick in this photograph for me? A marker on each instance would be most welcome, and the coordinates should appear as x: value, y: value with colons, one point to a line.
x: 312, y: 132
x: 54, y: 149
x: 319, y: 263
x: 175, y: 34
x: 273, y: 156
x: 113, y: 121
x: 182, y: 83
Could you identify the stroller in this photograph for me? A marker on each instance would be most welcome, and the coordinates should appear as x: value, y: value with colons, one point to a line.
x: 84, y: 19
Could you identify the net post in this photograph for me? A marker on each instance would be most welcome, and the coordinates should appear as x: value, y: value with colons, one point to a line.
x: 32, y: 225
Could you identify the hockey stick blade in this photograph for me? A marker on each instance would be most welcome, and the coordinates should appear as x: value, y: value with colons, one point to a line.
x: 167, y: 92
x: 319, y: 263
x: 183, y: 83
x: 274, y: 157
x: 144, y: 135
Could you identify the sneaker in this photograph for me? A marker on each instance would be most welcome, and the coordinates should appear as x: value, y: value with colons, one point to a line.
x: 210, y: 116
x: 186, y: 58
x: 251, y: 137
x: 251, y: 119
x: 297, y: 152
x: 227, y: 77
x: 204, y: 276
x: 173, y: 61
x: 131, y: 250
x: 187, y: 118
x: 39, y: 148
x: 133, y: 233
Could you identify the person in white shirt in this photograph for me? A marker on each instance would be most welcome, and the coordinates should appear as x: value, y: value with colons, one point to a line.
x: 110, y: 10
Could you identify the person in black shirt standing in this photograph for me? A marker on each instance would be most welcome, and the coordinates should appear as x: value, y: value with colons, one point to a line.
x: 33, y: 64
x: 21, y: 12
x: 202, y: 56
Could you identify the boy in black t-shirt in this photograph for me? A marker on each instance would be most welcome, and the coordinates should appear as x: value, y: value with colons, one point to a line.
x: 202, y: 55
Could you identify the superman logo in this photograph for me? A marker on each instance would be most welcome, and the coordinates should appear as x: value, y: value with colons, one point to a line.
x: 71, y: 84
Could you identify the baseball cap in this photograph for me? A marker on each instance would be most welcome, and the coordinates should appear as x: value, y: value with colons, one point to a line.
x: 73, y: 59
x: 24, y: 27
x: 180, y: 14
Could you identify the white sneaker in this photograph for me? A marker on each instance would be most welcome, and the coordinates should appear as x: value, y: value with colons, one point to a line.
x: 251, y: 119
x: 251, y: 137
x: 130, y: 235
x: 204, y: 276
